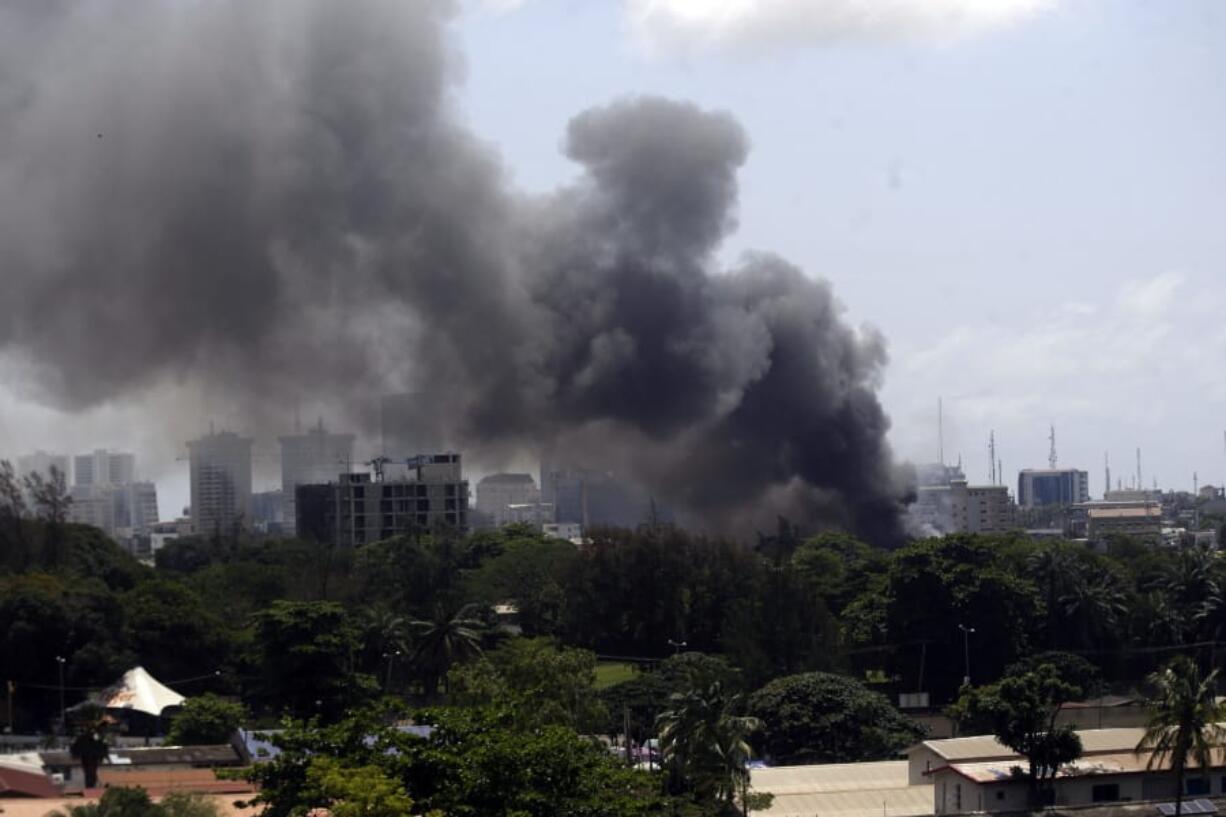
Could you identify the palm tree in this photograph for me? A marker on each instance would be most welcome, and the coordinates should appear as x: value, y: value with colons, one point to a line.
x: 1095, y: 605
x: 1058, y: 571
x: 1185, y: 722
x: 705, y: 745
x: 444, y: 640
x: 387, y: 636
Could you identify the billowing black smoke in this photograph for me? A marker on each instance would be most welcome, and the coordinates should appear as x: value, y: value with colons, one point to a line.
x: 274, y: 199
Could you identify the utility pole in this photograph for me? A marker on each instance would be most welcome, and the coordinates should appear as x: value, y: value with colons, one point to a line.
x: 59, y: 659
x: 966, y: 651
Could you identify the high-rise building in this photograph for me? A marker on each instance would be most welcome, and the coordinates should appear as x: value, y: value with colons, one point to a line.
x: 1052, y: 486
x: 119, y: 510
x: 411, y: 423
x: 498, y: 492
x: 312, y: 458
x: 104, y: 468
x: 594, y: 498
x: 220, y: 482
x: 40, y: 462
x: 419, y: 495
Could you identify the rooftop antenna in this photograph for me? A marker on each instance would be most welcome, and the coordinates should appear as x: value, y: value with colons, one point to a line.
x: 1051, y: 455
x: 940, y: 431
x: 1107, y: 473
x: 992, y: 456
x: 1000, y: 469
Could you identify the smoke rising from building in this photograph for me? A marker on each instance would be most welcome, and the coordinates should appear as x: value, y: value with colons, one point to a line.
x: 276, y: 201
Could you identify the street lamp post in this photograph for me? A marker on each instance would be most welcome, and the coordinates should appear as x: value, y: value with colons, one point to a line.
x: 966, y: 651
x: 61, y: 660
x: 676, y: 645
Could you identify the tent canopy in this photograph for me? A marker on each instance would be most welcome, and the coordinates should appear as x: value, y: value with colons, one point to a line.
x: 139, y: 691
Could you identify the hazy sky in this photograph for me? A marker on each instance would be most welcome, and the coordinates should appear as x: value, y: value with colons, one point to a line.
x: 1027, y: 197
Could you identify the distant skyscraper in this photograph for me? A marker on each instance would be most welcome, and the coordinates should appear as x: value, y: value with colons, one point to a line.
x: 498, y: 492
x: 316, y: 457
x: 220, y: 482
x: 119, y: 510
x: 40, y: 462
x: 104, y: 467
x: 1059, y: 486
x: 410, y: 424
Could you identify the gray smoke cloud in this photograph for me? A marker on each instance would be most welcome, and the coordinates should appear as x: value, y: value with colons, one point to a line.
x: 275, y: 200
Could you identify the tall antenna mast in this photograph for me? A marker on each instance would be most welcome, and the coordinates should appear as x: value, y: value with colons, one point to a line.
x: 1106, y: 473
x: 1195, y: 484
x: 1140, y: 481
x: 1051, y: 455
x: 992, y: 456
x: 940, y: 431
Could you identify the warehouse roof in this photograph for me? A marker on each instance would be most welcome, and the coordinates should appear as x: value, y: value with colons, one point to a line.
x: 843, y: 790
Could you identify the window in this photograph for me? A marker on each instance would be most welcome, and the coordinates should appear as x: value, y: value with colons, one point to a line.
x: 1105, y: 792
x: 958, y: 797
x: 1000, y: 794
x: 449, y: 489
x: 1197, y: 785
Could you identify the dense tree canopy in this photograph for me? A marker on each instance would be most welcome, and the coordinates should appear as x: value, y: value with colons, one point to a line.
x: 818, y: 717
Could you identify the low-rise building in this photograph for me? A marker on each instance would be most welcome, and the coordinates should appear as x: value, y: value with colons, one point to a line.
x: 994, y: 786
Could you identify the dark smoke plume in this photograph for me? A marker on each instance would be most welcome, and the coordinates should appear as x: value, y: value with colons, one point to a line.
x: 275, y: 200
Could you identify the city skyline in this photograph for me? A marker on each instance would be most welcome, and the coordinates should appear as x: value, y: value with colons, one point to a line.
x: 1020, y: 308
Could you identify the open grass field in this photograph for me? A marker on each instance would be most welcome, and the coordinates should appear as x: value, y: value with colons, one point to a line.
x: 608, y: 674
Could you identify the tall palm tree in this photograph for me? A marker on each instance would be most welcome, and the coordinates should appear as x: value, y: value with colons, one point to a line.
x: 1058, y: 571
x: 705, y: 745
x: 444, y: 640
x: 1185, y: 722
x: 1094, y: 607
x: 387, y: 636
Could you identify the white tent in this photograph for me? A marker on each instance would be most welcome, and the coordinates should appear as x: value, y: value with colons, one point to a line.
x: 139, y: 691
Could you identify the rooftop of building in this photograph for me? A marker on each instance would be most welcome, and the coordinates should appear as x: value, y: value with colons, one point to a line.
x: 987, y: 747
x: 842, y: 790
x: 1144, y: 512
x: 508, y: 479
x: 1116, y: 763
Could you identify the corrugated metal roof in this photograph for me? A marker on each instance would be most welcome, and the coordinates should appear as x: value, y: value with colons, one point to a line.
x: 843, y: 790
x: 987, y: 747
x: 825, y: 777
x: 909, y: 801
x: 1114, y: 763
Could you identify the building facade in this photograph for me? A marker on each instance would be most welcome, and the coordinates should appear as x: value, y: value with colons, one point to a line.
x: 1062, y: 486
x: 103, y: 467
x: 41, y: 462
x: 220, y: 482
x: 420, y: 495
x: 310, y: 459
x: 496, y: 494
x: 962, y: 508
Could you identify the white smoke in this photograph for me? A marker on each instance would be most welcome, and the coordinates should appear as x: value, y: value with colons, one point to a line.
x: 663, y: 25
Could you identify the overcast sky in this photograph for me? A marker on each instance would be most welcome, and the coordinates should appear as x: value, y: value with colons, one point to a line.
x: 1027, y: 197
